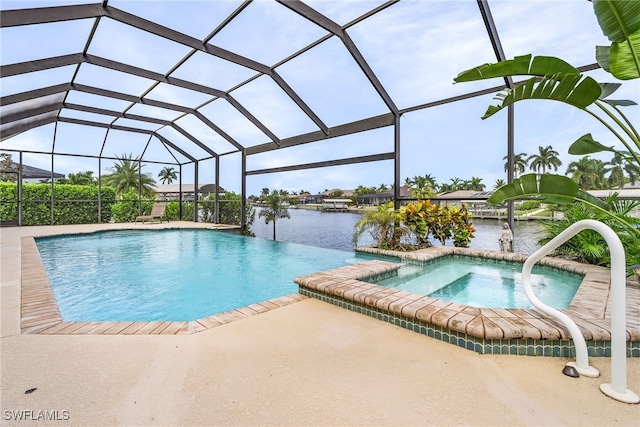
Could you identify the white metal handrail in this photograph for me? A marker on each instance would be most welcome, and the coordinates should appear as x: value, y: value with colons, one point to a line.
x: 617, y: 389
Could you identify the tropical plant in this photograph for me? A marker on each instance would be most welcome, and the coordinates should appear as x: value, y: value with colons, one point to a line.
x: 167, y: 175
x: 617, y: 176
x: 589, y: 246
x: 589, y: 173
x: 380, y: 224
x: 126, y: 208
x: 462, y: 227
x: 499, y: 183
x: 474, y: 184
x: 230, y: 210
x: 554, y: 79
x: 422, y: 187
x: 6, y: 164
x: 79, y: 178
x: 520, y: 163
x: 276, y: 208
x: 126, y: 175
x: 546, y: 158
x: 424, y: 218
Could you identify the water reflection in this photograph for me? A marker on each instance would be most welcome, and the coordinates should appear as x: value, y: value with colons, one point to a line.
x: 335, y: 231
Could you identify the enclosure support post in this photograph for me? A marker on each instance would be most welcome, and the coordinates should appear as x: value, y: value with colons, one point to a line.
x: 20, y: 190
x: 243, y: 192
x: 216, y: 214
x: 510, y: 162
x: 181, y: 200
x: 396, y: 161
x: 99, y: 191
x: 195, y: 192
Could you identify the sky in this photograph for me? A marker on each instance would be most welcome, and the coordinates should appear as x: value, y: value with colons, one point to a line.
x: 415, y: 48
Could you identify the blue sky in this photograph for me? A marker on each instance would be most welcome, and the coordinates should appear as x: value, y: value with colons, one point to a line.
x: 415, y: 48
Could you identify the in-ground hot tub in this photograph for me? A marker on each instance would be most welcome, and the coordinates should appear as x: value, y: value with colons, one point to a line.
x: 484, y: 330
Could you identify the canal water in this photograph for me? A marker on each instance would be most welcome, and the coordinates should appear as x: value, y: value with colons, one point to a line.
x: 335, y: 230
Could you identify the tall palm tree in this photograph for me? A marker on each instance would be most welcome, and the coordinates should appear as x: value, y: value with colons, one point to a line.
x: 520, y: 163
x: 126, y: 175
x: 475, y: 184
x: 421, y: 186
x: 456, y: 183
x: 588, y: 173
x: 617, y: 173
x: 167, y: 175
x: 546, y: 158
x: 275, y: 209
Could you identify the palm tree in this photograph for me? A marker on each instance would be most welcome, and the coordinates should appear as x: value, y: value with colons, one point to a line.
x: 617, y: 176
x: 499, y: 183
x: 422, y: 187
x: 275, y: 208
x: 126, y: 175
x: 167, y: 175
x: 475, y: 184
x: 520, y: 164
x: 546, y: 158
x: 380, y: 223
x: 588, y: 173
x: 456, y: 183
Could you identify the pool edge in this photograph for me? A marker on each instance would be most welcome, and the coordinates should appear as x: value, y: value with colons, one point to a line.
x: 39, y: 313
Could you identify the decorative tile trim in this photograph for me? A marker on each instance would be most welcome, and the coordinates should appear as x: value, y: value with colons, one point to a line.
x: 512, y: 331
x: 518, y: 346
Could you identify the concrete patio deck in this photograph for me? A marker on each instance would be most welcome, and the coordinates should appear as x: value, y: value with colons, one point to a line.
x: 307, y: 363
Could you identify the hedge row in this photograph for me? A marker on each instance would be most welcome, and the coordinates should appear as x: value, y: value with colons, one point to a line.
x: 78, y: 204
x: 74, y: 204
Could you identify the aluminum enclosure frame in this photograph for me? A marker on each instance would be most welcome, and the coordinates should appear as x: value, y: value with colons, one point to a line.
x: 50, y: 101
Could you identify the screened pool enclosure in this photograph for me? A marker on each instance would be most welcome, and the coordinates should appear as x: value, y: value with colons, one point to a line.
x: 235, y: 93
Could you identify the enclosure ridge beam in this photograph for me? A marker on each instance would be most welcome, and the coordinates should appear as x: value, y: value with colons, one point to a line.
x: 314, y: 165
x: 119, y: 114
x: 40, y: 64
x: 181, y: 38
x: 184, y: 39
x: 334, y: 132
x: 103, y: 125
x: 17, y: 129
x: 130, y: 98
x: 151, y: 75
x: 36, y: 93
x: 24, y: 114
x: 44, y: 15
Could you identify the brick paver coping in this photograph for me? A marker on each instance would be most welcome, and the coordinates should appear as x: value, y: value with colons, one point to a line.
x: 40, y: 314
x: 472, y: 327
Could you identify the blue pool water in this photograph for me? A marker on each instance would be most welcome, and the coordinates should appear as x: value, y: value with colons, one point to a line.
x: 173, y: 275
x: 485, y: 283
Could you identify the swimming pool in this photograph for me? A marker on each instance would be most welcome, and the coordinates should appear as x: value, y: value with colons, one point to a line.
x: 172, y: 275
x: 485, y: 283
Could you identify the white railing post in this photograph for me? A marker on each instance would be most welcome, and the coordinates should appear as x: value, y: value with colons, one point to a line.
x: 618, y: 387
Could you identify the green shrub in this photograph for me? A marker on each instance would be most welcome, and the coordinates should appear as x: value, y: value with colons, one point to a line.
x: 126, y: 208
x: 528, y: 205
x: 74, y: 204
x: 230, y: 210
x: 172, y: 212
